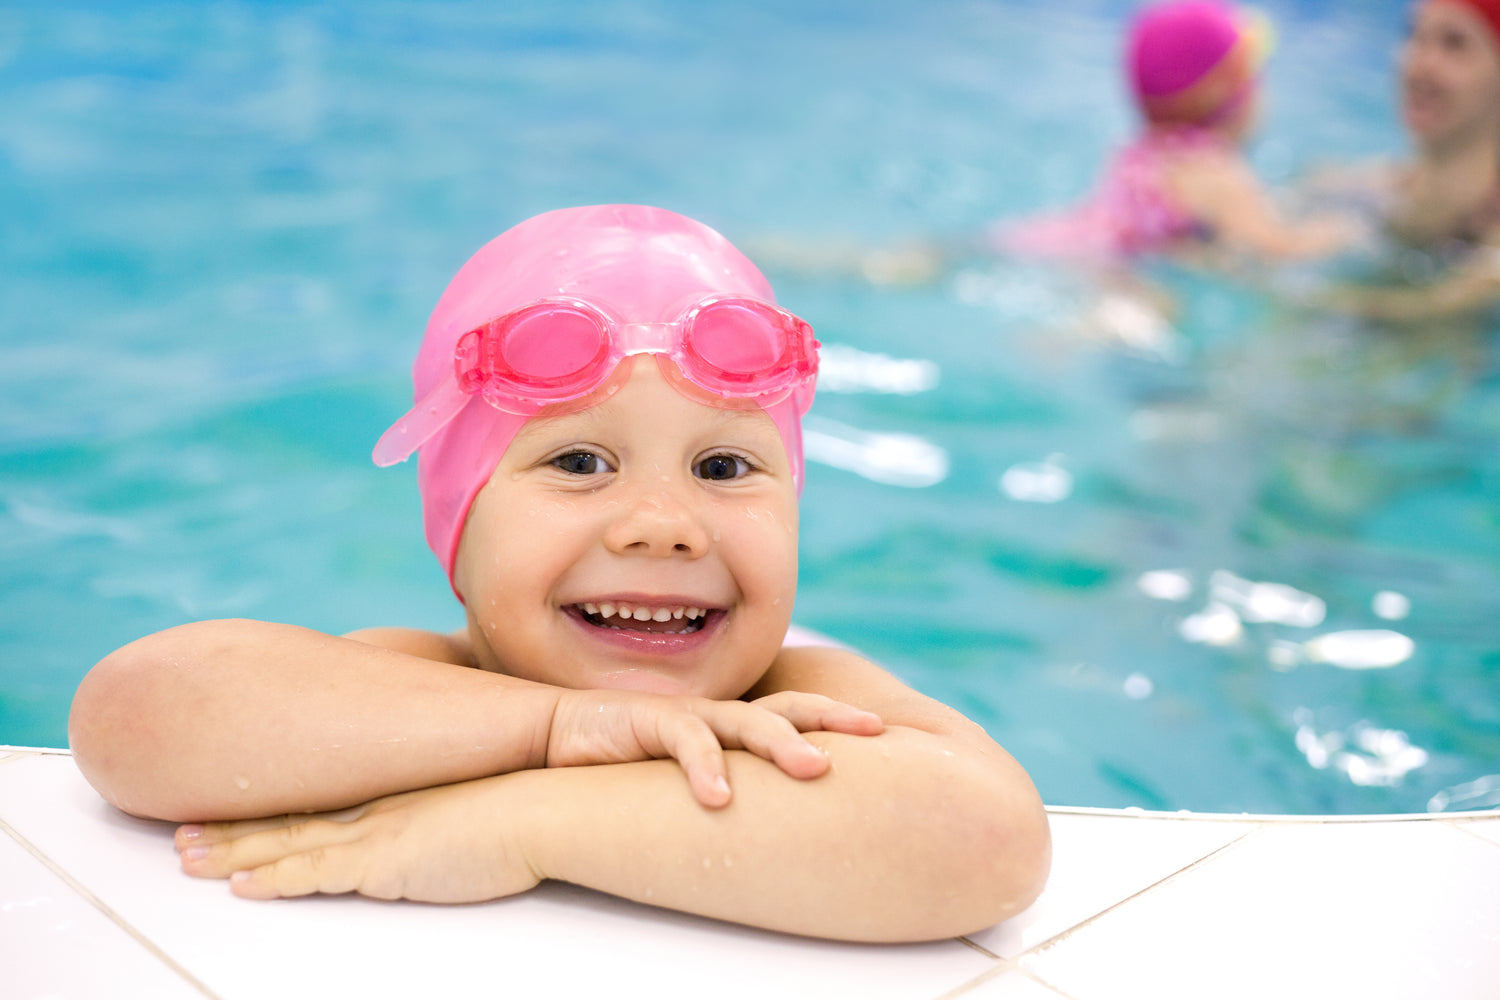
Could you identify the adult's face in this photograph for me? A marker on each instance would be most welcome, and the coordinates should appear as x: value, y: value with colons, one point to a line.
x: 1450, y: 77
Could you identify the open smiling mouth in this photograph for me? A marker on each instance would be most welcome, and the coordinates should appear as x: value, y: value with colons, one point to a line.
x: 654, y: 620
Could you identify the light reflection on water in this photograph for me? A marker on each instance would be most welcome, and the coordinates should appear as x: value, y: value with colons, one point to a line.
x: 1168, y: 556
x: 1303, y: 499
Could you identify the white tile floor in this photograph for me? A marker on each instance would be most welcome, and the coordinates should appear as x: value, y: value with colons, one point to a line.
x: 92, y: 905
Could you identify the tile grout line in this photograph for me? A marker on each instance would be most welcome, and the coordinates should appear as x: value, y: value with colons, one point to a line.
x: 1013, y: 964
x: 105, y: 909
x: 1006, y: 965
x: 1068, y: 932
x: 978, y: 947
x: 1463, y: 827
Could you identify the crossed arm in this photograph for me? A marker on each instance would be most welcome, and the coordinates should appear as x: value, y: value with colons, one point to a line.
x: 918, y: 827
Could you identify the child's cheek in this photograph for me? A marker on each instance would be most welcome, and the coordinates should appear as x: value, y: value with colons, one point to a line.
x: 762, y: 544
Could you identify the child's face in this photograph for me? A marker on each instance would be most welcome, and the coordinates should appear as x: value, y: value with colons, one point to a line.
x: 1450, y: 75
x: 647, y: 501
x: 1242, y: 119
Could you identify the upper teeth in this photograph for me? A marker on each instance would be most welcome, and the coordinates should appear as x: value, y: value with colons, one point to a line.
x: 642, y: 612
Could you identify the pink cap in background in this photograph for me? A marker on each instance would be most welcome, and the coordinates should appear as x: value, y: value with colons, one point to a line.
x: 1188, y: 61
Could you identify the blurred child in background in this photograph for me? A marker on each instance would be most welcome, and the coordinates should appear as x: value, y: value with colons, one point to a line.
x: 1183, y: 184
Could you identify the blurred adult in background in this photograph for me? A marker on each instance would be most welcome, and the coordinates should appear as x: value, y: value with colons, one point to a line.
x: 1443, y: 204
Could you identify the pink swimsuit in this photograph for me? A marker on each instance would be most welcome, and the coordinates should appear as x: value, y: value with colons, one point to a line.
x: 1132, y: 211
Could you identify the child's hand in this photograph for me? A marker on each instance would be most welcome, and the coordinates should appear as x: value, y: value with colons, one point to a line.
x: 607, y: 727
x: 449, y: 844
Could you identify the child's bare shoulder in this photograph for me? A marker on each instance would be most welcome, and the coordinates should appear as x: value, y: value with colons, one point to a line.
x: 846, y: 676
x: 451, y: 647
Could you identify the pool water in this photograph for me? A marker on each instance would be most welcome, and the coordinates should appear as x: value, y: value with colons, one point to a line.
x: 1244, y: 558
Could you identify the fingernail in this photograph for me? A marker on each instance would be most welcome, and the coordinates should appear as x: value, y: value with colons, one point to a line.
x: 241, y: 877
x: 721, y: 785
x: 196, y: 853
x: 191, y: 831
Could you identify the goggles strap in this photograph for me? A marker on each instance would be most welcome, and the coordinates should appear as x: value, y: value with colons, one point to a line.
x: 434, y: 412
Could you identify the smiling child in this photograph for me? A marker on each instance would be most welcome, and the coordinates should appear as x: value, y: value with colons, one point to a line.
x: 608, y: 430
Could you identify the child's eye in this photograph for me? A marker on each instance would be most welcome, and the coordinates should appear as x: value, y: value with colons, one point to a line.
x: 720, y: 467
x: 581, y: 463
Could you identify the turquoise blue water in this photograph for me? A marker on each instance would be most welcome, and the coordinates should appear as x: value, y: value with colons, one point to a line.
x: 1247, y: 560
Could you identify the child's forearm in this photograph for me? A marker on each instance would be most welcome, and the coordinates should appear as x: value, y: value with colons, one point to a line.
x: 231, y: 719
x: 909, y: 836
x: 926, y: 830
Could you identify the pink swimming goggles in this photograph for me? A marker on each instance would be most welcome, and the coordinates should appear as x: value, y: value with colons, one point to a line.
x: 555, y: 354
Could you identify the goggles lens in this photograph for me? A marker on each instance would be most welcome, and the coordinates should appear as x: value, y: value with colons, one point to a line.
x: 558, y: 350
x: 742, y: 347
x: 543, y: 354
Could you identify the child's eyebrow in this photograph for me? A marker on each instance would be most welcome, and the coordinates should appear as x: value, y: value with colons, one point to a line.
x: 756, y: 419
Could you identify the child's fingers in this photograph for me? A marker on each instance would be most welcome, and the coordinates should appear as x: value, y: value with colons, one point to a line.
x: 812, y: 712
x: 695, y: 746
x: 257, y: 847
x: 190, y: 834
x: 767, y: 734
x: 327, y: 870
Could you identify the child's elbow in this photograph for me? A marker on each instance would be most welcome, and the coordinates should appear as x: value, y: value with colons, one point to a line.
x: 979, y: 851
x: 106, y: 730
x: 1019, y: 861
x: 1004, y: 849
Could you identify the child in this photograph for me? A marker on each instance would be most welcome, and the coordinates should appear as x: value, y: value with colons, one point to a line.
x: 622, y: 531
x: 1184, y: 183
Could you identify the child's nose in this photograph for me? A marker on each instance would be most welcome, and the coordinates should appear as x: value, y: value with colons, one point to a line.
x: 655, y: 520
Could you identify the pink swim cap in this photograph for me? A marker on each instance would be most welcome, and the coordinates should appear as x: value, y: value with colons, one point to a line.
x: 1189, y: 61
x: 643, y: 264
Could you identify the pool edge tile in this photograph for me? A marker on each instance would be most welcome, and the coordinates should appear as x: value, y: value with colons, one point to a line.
x: 91, y: 923
x: 1307, y: 903
x: 1487, y: 829
x: 1089, y: 876
x: 128, y: 865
